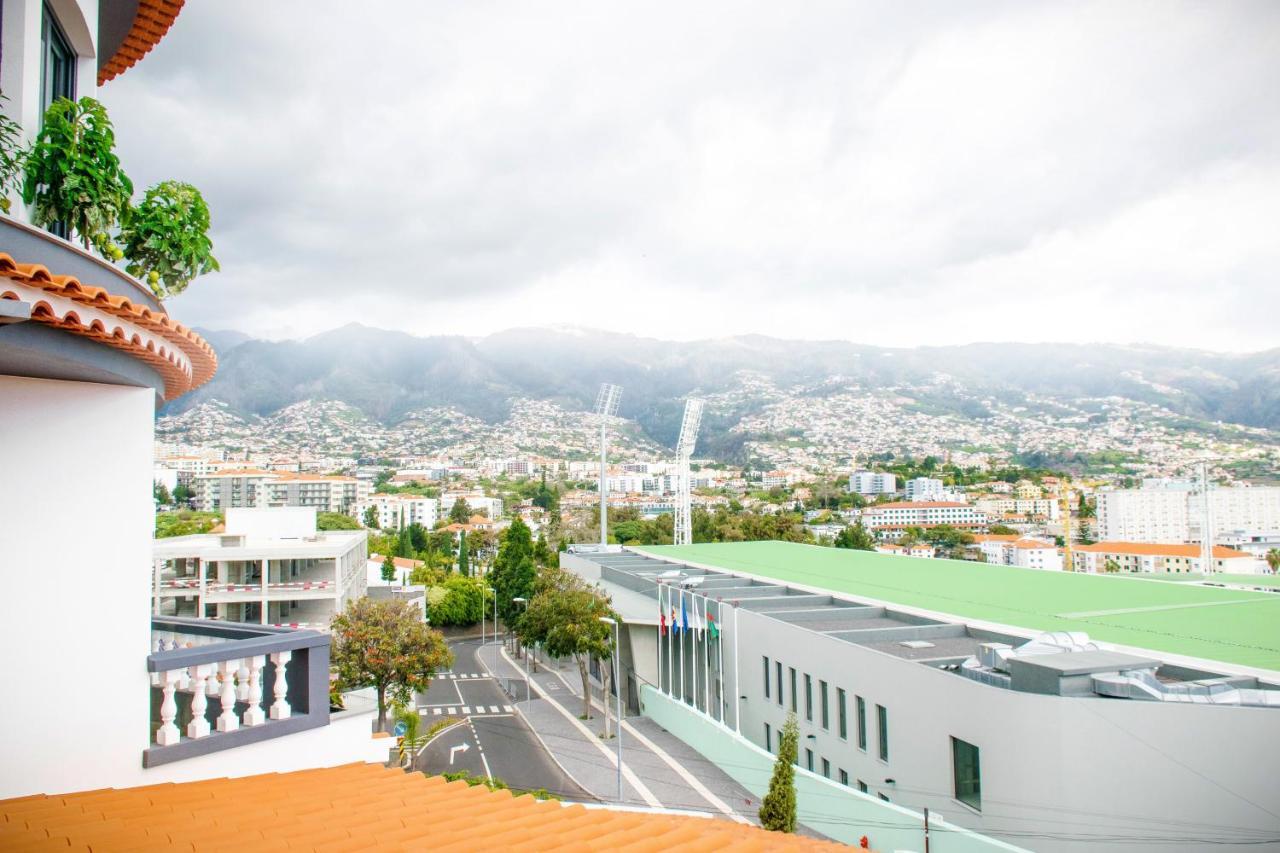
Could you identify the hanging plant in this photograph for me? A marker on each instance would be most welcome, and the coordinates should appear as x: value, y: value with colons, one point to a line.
x: 11, y: 156
x: 166, y: 240
x: 73, y: 175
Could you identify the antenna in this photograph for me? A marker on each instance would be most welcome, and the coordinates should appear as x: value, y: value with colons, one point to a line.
x: 606, y: 407
x: 684, y: 450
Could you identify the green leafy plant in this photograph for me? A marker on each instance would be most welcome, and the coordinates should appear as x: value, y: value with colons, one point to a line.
x: 167, y: 238
x: 73, y: 175
x: 12, y: 155
x: 778, y: 810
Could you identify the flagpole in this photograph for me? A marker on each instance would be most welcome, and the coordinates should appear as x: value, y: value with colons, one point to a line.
x: 706, y: 657
x: 671, y: 643
x: 737, y: 685
x: 684, y: 629
x: 720, y: 665
x: 662, y: 620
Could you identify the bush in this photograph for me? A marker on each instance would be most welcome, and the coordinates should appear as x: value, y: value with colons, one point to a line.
x: 458, y: 601
x: 167, y: 238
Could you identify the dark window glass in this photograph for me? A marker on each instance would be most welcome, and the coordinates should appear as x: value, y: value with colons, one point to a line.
x: 58, y: 63
x: 882, y: 719
x: 883, y: 797
x: 826, y: 768
x: 862, y: 721
x: 766, y: 678
x: 967, y: 773
x: 822, y: 697
x: 768, y: 738
x: 862, y: 786
x: 778, y: 670
x: 808, y: 697
x: 841, y: 715
x: 808, y: 760
x: 844, y: 777
x: 792, y: 673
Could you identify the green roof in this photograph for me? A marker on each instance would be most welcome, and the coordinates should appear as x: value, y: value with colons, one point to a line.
x: 1228, y: 625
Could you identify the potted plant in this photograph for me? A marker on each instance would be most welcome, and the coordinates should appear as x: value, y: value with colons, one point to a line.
x: 73, y: 176
x: 11, y: 157
x: 166, y: 239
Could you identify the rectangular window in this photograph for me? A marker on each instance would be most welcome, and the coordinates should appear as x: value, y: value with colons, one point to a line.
x: 778, y: 669
x: 844, y: 778
x: 862, y: 722
x: 882, y: 721
x: 808, y: 760
x: 822, y: 697
x: 883, y: 797
x: 862, y: 786
x: 841, y: 716
x: 966, y: 773
x: 808, y: 697
x: 793, y: 687
x: 768, y: 738
x: 766, y: 678
x: 58, y: 63
x: 826, y: 768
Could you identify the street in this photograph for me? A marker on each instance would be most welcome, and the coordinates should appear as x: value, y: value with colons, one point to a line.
x: 493, y: 740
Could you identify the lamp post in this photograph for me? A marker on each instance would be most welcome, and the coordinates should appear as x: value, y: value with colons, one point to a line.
x: 524, y: 605
x: 617, y: 674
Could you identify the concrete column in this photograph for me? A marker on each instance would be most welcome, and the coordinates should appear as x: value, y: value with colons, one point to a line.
x: 266, y: 569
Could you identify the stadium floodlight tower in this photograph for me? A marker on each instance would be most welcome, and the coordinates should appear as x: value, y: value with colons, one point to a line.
x: 606, y: 407
x: 684, y: 451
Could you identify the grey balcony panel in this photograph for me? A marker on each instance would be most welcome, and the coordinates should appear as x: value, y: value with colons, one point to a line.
x: 901, y: 632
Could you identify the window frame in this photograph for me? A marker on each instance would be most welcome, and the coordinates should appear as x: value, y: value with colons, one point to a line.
x: 778, y: 670
x: 792, y: 673
x: 766, y: 676
x: 842, y: 713
x: 768, y: 738
x: 969, y: 799
x: 808, y: 759
x: 824, y: 695
x: 882, y: 729
x: 808, y: 697
x: 861, y: 707
x: 53, y: 38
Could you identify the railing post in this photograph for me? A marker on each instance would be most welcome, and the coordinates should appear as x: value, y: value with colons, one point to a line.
x: 199, y: 725
x: 280, y: 708
x: 242, y: 681
x: 253, y: 715
x: 227, y: 720
x: 168, y: 733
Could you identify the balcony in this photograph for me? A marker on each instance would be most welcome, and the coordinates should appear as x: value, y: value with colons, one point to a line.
x: 220, y: 685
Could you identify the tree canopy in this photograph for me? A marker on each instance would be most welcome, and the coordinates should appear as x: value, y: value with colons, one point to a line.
x: 336, y: 521
x: 514, y: 572
x: 856, y: 537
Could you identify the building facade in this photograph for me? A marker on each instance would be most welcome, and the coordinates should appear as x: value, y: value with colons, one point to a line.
x: 873, y: 483
x: 1173, y: 511
x: 889, y: 520
x: 397, y: 511
x: 1171, y: 559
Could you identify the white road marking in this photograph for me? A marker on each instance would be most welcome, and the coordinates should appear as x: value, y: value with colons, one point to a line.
x: 436, y: 711
x: 453, y: 711
x: 508, y: 708
x: 1084, y: 614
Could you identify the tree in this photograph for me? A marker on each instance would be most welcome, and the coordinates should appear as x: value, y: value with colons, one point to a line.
x: 563, y: 617
x: 388, y: 568
x: 161, y: 493
x: 541, y: 553
x: 335, y: 521
x: 464, y: 567
x: 404, y: 544
x: 418, y: 537
x: 385, y: 645
x: 514, y: 571
x: 460, y: 513
x: 462, y: 602
x: 166, y: 238
x: 1110, y: 566
x: 778, y: 809
x: 1273, y: 560
x: 855, y: 536
x: 371, y: 517
x: 181, y: 494
x: 1001, y: 530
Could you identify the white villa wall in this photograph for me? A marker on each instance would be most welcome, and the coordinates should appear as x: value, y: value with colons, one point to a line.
x: 292, y: 522
x: 76, y: 519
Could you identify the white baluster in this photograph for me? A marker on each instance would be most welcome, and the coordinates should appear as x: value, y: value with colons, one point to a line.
x: 280, y: 707
x: 242, y: 681
x: 168, y: 733
x: 211, y: 686
x: 227, y: 720
x: 253, y: 716
x: 199, y: 726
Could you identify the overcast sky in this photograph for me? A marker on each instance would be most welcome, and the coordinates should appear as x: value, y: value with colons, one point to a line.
x: 890, y: 173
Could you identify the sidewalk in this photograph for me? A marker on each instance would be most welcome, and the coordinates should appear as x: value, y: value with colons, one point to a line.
x: 659, y: 771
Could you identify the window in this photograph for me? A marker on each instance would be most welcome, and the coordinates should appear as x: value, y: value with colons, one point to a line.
x: 841, y: 716
x: 862, y: 786
x: 966, y: 773
x: 882, y: 796
x: 826, y: 768
x: 882, y: 721
x: 778, y: 668
x: 793, y: 688
x: 808, y: 697
x: 844, y: 778
x: 766, y: 678
x: 862, y: 722
x: 808, y: 760
x: 822, y: 697
x: 768, y: 738
x: 58, y: 63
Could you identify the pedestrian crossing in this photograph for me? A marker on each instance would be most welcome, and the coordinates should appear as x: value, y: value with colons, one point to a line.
x: 455, y: 676
x: 465, y: 710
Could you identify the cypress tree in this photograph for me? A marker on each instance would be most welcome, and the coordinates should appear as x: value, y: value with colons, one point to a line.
x: 464, y: 566
x: 778, y: 810
x: 388, y: 569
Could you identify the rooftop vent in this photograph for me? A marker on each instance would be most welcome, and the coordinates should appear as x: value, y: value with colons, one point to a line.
x: 916, y: 644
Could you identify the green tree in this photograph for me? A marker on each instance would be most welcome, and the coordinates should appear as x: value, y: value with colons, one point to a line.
x: 1110, y: 566
x: 1002, y: 530
x: 778, y: 809
x: 1273, y: 559
x: 73, y: 175
x: 371, y: 517
x: 460, y: 512
x: 166, y: 238
x: 514, y: 572
x: 855, y: 536
x: 541, y: 553
x: 161, y: 493
x: 388, y: 568
x: 461, y: 604
x: 185, y: 522
x: 404, y: 544
x: 464, y: 567
x: 563, y: 617
x: 418, y: 537
x: 335, y: 521
x: 181, y: 494
x: 385, y: 645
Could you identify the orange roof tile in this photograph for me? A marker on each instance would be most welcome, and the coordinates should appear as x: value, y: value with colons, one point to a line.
x: 1153, y: 549
x: 150, y: 24
x: 355, y: 807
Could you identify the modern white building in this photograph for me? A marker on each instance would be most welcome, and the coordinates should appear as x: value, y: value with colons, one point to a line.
x: 1173, y: 511
x: 477, y: 501
x: 1027, y: 553
x: 269, y: 567
x: 873, y: 483
x: 401, y: 510
x: 927, y: 489
x: 998, y: 505
x: 891, y: 519
x: 253, y: 487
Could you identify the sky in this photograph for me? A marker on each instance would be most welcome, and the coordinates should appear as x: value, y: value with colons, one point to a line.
x: 889, y: 173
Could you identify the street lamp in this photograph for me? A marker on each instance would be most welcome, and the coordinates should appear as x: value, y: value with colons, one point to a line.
x: 524, y: 605
x: 617, y: 674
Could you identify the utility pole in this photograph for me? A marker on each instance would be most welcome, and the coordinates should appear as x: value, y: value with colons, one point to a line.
x: 926, y: 829
x: 617, y: 688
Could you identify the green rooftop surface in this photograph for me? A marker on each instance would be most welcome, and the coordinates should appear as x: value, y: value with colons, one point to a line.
x: 1229, y: 625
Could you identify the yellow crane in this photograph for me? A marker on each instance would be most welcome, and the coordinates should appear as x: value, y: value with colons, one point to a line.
x: 1064, y: 493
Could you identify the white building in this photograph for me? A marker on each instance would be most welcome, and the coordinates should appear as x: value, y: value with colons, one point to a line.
x: 891, y: 519
x: 1027, y: 553
x: 873, y: 483
x: 1173, y: 511
x: 477, y: 501
x: 929, y: 489
x: 997, y: 505
x: 270, y: 567
x: 1150, y: 557
x: 401, y: 510
x: 241, y: 488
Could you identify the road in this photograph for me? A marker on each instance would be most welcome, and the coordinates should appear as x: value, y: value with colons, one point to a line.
x: 497, y: 741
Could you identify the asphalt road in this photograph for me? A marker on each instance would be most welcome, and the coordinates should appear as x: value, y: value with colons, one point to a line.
x: 497, y: 741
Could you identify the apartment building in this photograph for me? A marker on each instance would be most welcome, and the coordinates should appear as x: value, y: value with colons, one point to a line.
x: 873, y: 483
x: 1149, y: 557
x: 401, y: 510
x: 1173, y: 511
x: 240, y: 488
x: 889, y: 520
x: 998, y: 505
x: 1024, y: 552
x: 268, y: 567
x: 477, y: 501
x: 926, y: 489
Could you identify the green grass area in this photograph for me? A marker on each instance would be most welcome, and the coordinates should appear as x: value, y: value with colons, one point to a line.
x: 1230, y: 625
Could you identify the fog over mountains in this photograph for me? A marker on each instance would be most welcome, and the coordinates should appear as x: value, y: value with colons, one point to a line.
x: 387, y: 374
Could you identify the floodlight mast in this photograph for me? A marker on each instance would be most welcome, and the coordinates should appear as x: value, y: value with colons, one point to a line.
x: 606, y: 407
x: 684, y: 451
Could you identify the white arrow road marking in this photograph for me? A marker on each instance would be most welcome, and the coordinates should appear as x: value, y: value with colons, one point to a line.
x: 464, y: 746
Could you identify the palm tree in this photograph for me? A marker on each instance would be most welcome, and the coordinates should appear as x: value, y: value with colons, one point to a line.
x: 1273, y: 560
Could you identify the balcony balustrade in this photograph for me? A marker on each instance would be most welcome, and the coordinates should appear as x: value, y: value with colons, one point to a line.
x: 219, y: 685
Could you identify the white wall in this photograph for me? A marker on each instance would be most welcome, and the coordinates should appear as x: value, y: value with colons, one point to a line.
x: 76, y: 520
x: 275, y: 523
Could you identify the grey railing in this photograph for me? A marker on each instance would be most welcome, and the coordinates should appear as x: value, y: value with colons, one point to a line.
x: 219, y: 685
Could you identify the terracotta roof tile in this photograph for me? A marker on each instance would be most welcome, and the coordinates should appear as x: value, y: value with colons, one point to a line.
x: 362, y: 806
x: 1151, y: 549
x: 150, y: 24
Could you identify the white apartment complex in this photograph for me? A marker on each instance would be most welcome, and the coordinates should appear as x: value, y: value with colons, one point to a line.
x: 396, y: 511
x: 477, y: 501
x: 997, y: 505
x: 891, y: 519
x: 1027, y: 553
x: 247, y: 488
x: 928, y: 489
x: 1173, y: 512
x: 873, y: 483
x: 1150, y: 557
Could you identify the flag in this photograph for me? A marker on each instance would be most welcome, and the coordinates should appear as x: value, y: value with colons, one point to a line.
x: 675, y: 626
x: 712, y: 626
x: 662, y: 624
x: 684, y: 615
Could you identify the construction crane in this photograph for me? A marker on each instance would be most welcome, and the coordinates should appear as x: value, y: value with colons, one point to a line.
x: 1064, y: 495
x: 684, y: 451
x: 606, y: 407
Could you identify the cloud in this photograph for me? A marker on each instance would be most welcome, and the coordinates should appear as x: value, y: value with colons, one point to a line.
x: 992, y: 171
